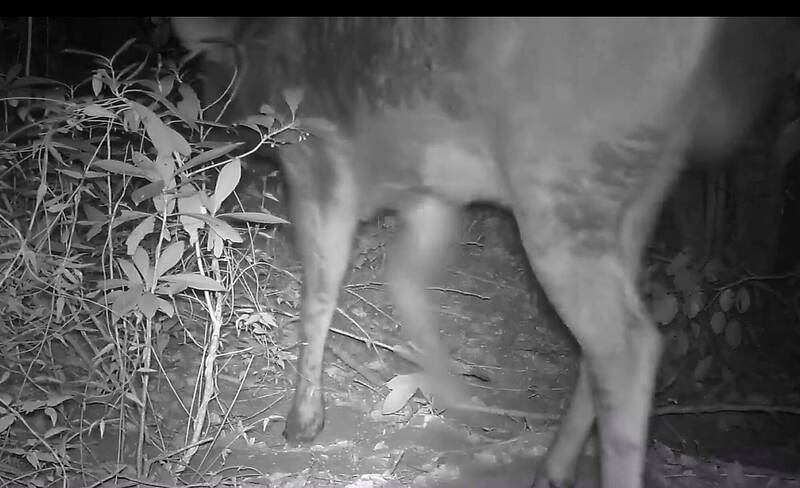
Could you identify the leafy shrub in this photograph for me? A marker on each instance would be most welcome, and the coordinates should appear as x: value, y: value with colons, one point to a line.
x: 111, y: 219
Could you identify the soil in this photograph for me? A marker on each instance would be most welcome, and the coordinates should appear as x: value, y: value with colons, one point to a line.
x: 497, y: 324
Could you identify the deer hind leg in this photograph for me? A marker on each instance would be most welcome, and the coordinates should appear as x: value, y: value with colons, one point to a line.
x: 584, y: 233
x: 560, y: 466
x: 621, y: 349
x: 428, y: 227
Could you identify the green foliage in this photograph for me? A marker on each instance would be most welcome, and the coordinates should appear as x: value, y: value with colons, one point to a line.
x: 112, y: 214
x: 703, y: 312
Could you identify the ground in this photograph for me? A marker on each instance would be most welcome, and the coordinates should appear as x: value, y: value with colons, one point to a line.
x: 496, y: 323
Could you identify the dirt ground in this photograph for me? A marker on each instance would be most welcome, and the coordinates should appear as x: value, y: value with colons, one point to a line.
x: 497, y: 324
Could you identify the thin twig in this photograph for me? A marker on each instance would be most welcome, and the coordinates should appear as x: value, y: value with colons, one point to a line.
x: 395, y: 464
x: 738, y: 282
x: 724, y: 407
x: 460, y: 292
x: 549, y: 417
x: 350, y: 361
x: 44, y: 442
x: 109, y: 477
x: 374, y: 306
x: 213, y: 306
x: 366, y: 341
x: 227, y: 415
x: 353, y: 321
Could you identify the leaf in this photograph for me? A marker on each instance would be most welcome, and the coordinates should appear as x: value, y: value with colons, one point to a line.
x: 132, y: 397
x: 726, y: 299
x: 208, y: 156
x: 194, y: 280
x: 122, y: 48
x: 52, y: 415
x: 712, y: 270
x: 59, y: 307
x: 225, y: 231
x: 170, y: 289
x: 253, y: 127
x: 293, y: 97
x: 32, y: 458
x: 664, y: 309
x: 742, y: 300
x: 657, y: 290
x: 31, y: 81
x: 228, y: 178
x: 13, y: 72
x: 686, y: 280
x: 702, y: 368
x: 150, y: 190
x: 29, y: 406
x: 126, y: 301
x: 147, y: 304
x: 165, y: 139
x: 54, y: 431
x: 118, y: 167
x: 267, y: 318
x: 208, y: 202
x: 718, y: 322
x: 733, y: 334
x: 694, y: 303
x: 128, y: 215
x: 99, y: 356
x: 265, y: 121
x: 74, y: 174
x: 142, y: 261
x: 171, y: 108
x: 151, y: 170
x: 41, y: 191
x: 257, y: 217
x: 165, y: 307
x: 58, y: 207
x: 94, y: 110
x: 220, y: 227
x: 92, y: 214
x: 5, y: 422
x: 138, y: 233
x: 162, y: 341
x: 166, y: 167
x: 56, y: 400
x: 402, y: 389
x: 189, y: 105
x: 679, y: 262
x: 215, y: 244
x: 165, y: 204
x: 169, y: 258
x: 97, y: 84
x: 131, y: 120
x: 191, y: 205
x: 165, y: 85
x: 130, y: 272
